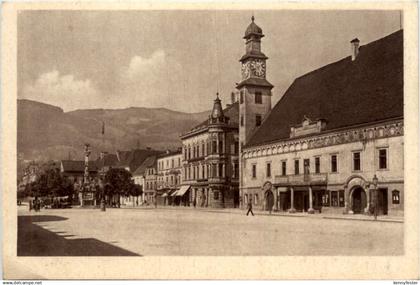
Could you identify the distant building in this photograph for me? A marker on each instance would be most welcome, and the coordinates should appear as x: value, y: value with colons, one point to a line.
x: 132, y: 159
x: 74, y: 170
x: 29, y: 174
x: 146, y: 176
x: 332, y: 132
x: 210, y: 170
x: 169, y: 168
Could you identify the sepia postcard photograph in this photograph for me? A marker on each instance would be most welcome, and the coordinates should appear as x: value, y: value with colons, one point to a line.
x: 170, y: 137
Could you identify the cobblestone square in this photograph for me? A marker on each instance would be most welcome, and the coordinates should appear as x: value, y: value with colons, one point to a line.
x: 160, y: 232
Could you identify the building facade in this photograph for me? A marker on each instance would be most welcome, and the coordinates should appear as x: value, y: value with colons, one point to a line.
x: 210, y: 152
x: 335, y: 140
x: 169, y: 178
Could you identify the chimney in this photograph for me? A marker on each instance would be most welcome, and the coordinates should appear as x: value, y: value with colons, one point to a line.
x: 354, y: 48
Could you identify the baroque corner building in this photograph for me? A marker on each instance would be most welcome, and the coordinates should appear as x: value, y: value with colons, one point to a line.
x: 211, y: 160
x: 334, y: 142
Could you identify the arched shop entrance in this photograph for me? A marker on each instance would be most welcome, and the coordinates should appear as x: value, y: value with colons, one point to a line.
x: 359, y: 202
x: 269, y: 200
x: 268, y: 196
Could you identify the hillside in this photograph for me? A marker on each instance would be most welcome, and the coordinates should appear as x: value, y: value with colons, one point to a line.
x: 46, y: 132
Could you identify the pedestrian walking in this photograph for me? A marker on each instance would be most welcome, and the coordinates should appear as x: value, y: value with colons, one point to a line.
x: 249, y: 208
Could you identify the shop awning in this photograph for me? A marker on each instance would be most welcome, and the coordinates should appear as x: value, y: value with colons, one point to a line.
x: 164, y: 195
x: 174, y: 193
x: 183, y: 190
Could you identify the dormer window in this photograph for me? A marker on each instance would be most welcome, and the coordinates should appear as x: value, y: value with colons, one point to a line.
x: 307, y: 126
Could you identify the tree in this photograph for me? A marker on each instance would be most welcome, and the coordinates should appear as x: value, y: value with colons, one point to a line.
x: 135, y: 191
x: 118, y: 182
x: 50, y: 183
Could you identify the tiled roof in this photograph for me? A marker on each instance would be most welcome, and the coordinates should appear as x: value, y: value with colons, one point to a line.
x: 134, y: 158
x: 345, y: 93
x: 255, y: 81
x: 147, y: 163
x: 109, y: 159
x: 231, y: 111
x: 78, y: 166
x: 170, y: 153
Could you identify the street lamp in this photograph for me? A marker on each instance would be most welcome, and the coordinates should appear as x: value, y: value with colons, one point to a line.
x: 375, y: 189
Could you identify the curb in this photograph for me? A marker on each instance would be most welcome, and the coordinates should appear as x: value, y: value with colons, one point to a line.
x: 365, y: 220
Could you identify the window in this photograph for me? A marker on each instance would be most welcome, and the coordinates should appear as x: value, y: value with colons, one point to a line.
x: 306, y: 169
x: 202, y: 171
x: 326, y: 199
x: 334, y: 163
x: 256, y: 199
x: 258, y: 98
x: 395, y: 197
x: 220, y: 170
x: 356, y: 161
x: 317, y: 165
x: 214, y: 147
x: 172, y: 163
x: 202, y: 149
x: 334, y: 198
x: 254, y: 171
x: 341, y: 198
x: 236, y: 147
x: 283, y: 168
x: 296, y: 167
x: 236, y: 170
x: 221, y: 147
x: 268, y: 169
x: 258, y: 120
x: 216, y: 195
x: 383, y: 158
x: 246, y: 199
x: 242, y: 120
x: 241, y: 96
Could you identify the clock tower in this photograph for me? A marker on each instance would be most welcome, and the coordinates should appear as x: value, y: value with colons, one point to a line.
x: 254, y: 89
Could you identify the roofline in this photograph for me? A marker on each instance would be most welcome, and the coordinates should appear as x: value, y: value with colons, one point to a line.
x: 178, y: 152
x: 326, y: 132
x: 194, y: 131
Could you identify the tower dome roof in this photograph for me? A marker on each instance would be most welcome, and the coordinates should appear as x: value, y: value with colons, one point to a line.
x: 253, y: 29
x: 217, y: 108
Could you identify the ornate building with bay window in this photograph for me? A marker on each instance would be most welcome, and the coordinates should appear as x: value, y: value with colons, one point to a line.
x: 335, y: 140
x: 210, y: 152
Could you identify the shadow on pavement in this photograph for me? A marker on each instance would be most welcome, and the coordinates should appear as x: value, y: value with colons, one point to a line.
x: 34, y: 240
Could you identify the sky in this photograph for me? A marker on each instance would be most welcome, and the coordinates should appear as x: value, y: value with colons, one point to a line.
x: 176, y: 59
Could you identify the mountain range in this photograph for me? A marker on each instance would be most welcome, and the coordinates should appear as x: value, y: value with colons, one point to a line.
x: 46, y: 132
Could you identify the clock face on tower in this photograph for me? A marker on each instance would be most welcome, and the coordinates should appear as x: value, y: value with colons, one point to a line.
x: 259, y: 68
x: 245, y: 70
x: 255, y: 67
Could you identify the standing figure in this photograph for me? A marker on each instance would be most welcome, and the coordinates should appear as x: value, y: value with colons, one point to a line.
x: 249, y: 208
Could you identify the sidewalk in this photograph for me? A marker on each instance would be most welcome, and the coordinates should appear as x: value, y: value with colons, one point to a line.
x: 237, y: 211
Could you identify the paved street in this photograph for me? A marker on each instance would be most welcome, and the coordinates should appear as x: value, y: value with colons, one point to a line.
x: 146, y: 232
